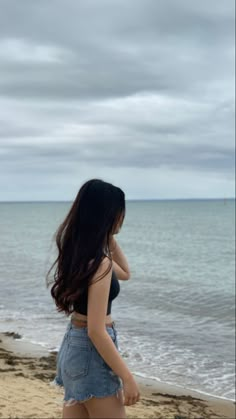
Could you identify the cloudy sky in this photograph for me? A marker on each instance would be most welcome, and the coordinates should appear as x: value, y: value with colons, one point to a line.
x: 139, y: 93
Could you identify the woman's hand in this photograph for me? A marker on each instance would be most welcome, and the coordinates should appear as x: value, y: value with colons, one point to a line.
x: 130, y: 391
x: 122, y: 266
x: 112, y: 243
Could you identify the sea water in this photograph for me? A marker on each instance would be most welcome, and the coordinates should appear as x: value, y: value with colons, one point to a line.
x: 175, y: 317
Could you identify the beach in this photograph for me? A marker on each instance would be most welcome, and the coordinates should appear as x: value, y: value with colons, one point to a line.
x: 189, y: 293
x: 27, y: 371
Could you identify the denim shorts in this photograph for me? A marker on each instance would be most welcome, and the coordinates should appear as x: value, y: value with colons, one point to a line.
x: 81, y: 370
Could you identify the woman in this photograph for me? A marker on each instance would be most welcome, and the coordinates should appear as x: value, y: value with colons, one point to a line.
x: 96, y: 380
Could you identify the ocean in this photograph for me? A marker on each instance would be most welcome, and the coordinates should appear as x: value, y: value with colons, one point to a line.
x: 175, y: 317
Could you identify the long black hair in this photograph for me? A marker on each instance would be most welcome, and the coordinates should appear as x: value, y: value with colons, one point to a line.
x: 84, y: 235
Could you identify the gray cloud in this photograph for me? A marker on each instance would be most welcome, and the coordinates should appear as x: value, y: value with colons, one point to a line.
x: 100, y: 87
x: 112, y: 50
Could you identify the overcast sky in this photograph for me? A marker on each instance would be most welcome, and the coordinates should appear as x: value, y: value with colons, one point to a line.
x: 137, y: 93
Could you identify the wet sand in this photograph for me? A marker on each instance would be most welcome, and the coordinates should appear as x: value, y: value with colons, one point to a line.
x: 27, y: 370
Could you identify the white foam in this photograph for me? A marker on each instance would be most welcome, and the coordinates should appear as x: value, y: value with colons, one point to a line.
x: 181, y: 387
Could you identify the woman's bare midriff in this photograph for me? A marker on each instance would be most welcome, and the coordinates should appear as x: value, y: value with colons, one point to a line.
x: 79, y: 316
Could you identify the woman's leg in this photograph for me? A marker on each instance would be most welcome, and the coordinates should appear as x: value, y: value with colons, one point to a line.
x: 76, y: 411
x: 106, y: 407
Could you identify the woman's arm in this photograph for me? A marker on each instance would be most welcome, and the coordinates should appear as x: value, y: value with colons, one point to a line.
x: 119, y: 260
x: 98, y: 294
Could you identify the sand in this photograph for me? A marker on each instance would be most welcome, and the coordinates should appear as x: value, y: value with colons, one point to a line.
x: 27, y: 370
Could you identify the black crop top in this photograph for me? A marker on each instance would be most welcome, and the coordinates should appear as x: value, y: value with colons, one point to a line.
x: 80, y: 306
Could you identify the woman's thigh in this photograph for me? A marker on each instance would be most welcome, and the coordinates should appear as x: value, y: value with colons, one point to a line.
x: 76, y: 411
x: 106, y: 407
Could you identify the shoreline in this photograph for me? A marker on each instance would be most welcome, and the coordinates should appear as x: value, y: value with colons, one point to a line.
x: 27, y: 370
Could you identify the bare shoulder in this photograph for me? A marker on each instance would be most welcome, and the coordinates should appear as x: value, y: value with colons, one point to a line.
x: 104, y: 270
x: 98, y: 295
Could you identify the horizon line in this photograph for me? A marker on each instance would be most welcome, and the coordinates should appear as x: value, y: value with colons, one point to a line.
x: 127, y: 200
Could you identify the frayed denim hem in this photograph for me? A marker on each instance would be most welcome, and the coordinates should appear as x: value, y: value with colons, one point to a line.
x: 71, y: 401
x: 57, y: 382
